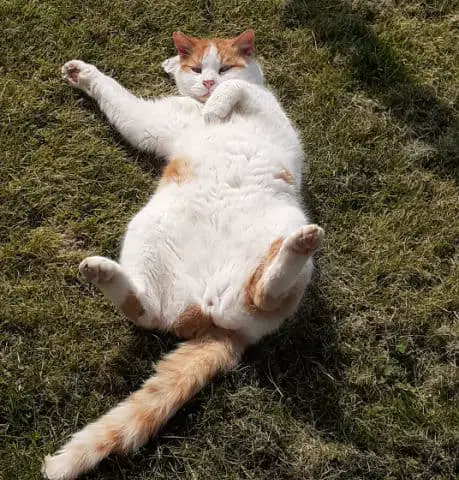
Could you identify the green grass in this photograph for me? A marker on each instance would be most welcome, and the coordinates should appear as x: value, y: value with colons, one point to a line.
x: 362, y: 384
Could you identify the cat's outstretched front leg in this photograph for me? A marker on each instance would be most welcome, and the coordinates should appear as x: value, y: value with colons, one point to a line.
x: 150, y: 125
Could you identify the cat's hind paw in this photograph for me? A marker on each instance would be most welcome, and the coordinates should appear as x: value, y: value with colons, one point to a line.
x: 98, y: 269
x: 306, y: 240
x: 78, y: 74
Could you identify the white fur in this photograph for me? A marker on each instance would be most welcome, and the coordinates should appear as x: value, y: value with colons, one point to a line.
x: 198, y: 242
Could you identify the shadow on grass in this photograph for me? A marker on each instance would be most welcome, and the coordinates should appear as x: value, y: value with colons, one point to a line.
x: 148, y: 162
x: 377, y: 70
x: 135, y: 365
x: 302, y: 362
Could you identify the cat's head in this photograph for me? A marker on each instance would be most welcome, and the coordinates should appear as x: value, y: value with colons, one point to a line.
x: 202, y: 64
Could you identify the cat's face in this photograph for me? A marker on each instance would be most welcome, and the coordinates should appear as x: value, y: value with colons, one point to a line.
x: 201, y: 64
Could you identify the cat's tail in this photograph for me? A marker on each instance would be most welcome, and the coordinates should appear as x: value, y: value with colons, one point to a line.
x: 179, y: 376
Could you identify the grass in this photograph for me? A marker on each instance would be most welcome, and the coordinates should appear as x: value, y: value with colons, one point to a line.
x: 363, y: 382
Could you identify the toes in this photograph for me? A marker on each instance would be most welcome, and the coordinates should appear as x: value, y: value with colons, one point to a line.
x: 306, y: 240
x: 71, y: 72
x: 98, y: 269
x: 76, y: 73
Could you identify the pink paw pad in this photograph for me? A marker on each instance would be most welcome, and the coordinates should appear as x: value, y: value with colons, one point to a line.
x: 72, y: 73
x: 307, y: 239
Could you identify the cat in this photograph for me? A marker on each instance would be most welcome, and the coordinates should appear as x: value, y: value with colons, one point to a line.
x: 221, y: 253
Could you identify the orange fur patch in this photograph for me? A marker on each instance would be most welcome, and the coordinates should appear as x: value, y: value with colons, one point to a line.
x: 193, y: 323
x: 143, y: 415
x: 227, y: 52
x: 179, y: 376
x: 194, y: 58
x: 273, y: 250
x: 286, y: 176
x: 111, y: 443
x: 257, y: 301
x: 132, y: 307
x: 177, y: 170
x: 254, y: 291
x: 150, y: 388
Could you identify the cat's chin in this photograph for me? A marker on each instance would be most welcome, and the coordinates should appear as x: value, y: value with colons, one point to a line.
x: 203, y: 98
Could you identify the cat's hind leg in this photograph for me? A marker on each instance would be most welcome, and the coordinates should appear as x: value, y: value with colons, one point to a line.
x: 283, y: 266
x: 121, y: 289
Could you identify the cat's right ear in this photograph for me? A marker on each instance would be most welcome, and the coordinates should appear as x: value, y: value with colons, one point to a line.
x: 183, y: 44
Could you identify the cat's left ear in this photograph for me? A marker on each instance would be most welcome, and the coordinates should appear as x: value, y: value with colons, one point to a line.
x: 171, y: 65
x: 245, y: 43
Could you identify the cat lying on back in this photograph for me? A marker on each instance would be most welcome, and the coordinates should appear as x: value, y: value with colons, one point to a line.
x: 222, y: 252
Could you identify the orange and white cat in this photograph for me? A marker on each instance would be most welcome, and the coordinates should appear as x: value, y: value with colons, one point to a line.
x: 221, y: 253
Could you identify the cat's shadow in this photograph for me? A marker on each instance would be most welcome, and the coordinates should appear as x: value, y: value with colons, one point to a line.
x: 300, y: 363
x: 378, y: 70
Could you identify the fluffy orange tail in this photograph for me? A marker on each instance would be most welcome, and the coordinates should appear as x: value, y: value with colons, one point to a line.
x: 179, y: 376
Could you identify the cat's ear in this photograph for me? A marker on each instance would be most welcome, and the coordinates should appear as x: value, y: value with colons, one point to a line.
x: 183, y: 43
x: 245, y: 43
x: 171, y: 65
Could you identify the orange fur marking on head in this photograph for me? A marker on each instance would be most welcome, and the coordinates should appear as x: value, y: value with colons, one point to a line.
x: 229, y: 54
x: 285, y: 175
x: 193, y: 50
x: 132, y: 307
x: 230, y: 50
x: 236, y: 51
x: 178, y: 171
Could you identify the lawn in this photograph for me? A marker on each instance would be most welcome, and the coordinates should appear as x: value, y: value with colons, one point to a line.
x: 362, y: 383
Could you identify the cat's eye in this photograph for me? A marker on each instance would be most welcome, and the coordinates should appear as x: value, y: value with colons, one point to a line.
x: 225, y: 68
x: 196, y: 69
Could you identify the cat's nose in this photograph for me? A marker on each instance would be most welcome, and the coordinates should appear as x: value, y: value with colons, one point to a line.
x: 208, y: 83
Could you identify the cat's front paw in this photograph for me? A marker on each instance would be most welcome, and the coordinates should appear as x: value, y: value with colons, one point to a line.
x: 223, y: 101
x: 98, y: 269
x: 215, y: 112
x: 78, y: 74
